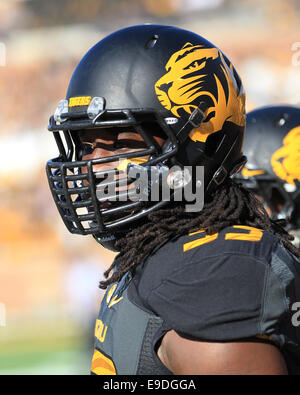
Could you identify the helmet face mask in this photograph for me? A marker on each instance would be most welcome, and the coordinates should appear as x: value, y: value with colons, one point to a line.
x: 76, y: 183
x: 272, y: 146
x: 180, y: 88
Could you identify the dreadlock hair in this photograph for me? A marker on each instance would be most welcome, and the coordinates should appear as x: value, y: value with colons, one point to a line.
x: 231, y: 204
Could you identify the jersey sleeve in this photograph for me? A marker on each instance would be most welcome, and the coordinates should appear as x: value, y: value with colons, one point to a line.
x: 224, y: 298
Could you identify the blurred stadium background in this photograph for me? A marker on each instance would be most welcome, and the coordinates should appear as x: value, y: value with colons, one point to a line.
x: 49, y: 295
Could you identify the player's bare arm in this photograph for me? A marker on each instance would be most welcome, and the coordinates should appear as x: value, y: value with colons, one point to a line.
x: 183, y: 356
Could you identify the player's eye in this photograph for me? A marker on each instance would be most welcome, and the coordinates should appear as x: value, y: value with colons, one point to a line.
x: 119, y: 144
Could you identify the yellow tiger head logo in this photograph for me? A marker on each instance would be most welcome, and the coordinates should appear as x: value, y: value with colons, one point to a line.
x: 193, y: 72
x: 286, y: 160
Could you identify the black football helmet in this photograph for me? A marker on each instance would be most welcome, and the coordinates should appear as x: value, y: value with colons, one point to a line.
x: 272, y: 147
x: 157, y: 81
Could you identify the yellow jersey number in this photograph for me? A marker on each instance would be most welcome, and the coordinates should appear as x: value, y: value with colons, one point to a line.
x: 253, y: 235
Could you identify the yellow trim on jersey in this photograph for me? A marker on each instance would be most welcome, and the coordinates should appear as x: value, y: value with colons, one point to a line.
x: 199, y: 242
x: 264, y: 337
x: 111, y: 300
x: 198, y: 231
x: 100, y: 330
x: 102, y: 365
x: 254, y: 234
x: 110, y: 293
x: 268, y: 339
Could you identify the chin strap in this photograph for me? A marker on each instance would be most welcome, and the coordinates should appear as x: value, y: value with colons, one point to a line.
x: 108, y: 241
x: 194, y: 121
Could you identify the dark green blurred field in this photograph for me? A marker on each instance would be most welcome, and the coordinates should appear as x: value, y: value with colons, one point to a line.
x: 44, y: 348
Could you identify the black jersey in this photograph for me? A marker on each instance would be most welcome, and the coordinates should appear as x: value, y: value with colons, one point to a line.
x: 240, y: 283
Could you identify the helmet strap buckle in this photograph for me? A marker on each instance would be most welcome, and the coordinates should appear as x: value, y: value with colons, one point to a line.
x: 220, y: 175
x: 194, y: 121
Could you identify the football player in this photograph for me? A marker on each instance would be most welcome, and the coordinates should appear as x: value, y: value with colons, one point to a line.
x: 272, y: 147
x: 210, y: 290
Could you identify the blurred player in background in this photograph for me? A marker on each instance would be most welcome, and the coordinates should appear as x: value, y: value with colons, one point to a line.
x: 272, y: 147
x: 202, y: 290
